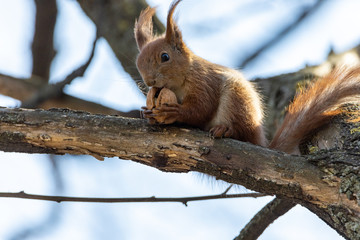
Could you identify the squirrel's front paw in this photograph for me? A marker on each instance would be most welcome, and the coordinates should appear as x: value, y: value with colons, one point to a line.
x: 161, y: 106
x: 146, y: 113
x: 166, y: 113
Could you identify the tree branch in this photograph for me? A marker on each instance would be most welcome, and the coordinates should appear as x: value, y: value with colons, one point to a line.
x: 23, y: 89
x: 183, y: 200
x: 115, y: 22
x: 42, y: 47
x: 267, y: 215
x: 312, y: 183
x: 55, y: 90
x: 283, y: 33
x: 167, y: 148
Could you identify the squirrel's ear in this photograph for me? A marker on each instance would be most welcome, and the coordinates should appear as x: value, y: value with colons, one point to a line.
x: 144, y: 27
x: 173, y: 34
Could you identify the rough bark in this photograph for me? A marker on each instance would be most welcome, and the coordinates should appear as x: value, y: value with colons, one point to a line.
x: 326, y: 182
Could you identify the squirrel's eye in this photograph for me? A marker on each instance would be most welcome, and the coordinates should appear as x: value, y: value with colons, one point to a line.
x: 165, y: 57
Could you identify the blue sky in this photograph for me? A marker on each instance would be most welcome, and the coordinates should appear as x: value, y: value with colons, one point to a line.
x: 105, y: 82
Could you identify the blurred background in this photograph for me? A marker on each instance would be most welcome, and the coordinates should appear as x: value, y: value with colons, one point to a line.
x: 262, y: 38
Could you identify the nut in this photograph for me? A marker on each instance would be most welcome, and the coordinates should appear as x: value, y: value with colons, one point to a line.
x: 165, y: 96
x: 157, y: 97
x: 150, y: 98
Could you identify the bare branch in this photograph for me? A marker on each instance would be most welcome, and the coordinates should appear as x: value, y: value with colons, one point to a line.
x: 283, y: 33
x: 264, y: 218
x: 23, y: 89
x: 183, y: 200
x: 43, y: 47
x: 169, y: 148
x: 107, y: 15
x: 174, y: 149
x: 55, y: 90
x: 227, y: 189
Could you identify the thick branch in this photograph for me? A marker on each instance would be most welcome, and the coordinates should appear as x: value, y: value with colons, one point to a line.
x: 175, y: 149
x: 166, y: 148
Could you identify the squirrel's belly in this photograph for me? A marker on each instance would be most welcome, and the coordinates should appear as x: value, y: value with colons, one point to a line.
x: 222, y: 115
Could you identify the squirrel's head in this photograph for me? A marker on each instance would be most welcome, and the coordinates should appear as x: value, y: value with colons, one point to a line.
x: 163, y: 60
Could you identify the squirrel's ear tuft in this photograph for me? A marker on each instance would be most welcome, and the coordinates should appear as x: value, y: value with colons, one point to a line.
x: 144, y: 27
x: 173, y: 34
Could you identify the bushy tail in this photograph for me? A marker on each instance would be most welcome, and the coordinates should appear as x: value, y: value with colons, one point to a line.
x: 315, y: 106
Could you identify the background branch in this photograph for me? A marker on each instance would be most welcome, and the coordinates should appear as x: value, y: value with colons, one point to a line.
x: 55, y: 90
x: 43, y: 53
x: 115, y: 21
x: 23, y: 89
x: 267, y: 215
x: 42, y: 47
x: 283, y: 33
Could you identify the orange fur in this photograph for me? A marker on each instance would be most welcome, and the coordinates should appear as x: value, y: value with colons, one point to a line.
x: 143, y: 30
x: 210, y: 96
x: 315, y: 106
x: 219, y: 99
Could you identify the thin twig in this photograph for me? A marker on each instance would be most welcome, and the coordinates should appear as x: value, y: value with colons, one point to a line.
x: 183, y: 200
x: 55, y: 90
x: 228, y: 189
x: 283, y: 33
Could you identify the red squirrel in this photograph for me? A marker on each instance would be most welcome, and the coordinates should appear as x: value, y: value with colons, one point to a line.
x: 219, y: 99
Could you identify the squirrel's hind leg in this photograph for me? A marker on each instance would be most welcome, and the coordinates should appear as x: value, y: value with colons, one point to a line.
x: 220, y: 131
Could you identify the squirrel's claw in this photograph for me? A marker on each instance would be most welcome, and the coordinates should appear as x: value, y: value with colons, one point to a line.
x: 166, y: 114
x: 220, y: 131
x: 146, y: 113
